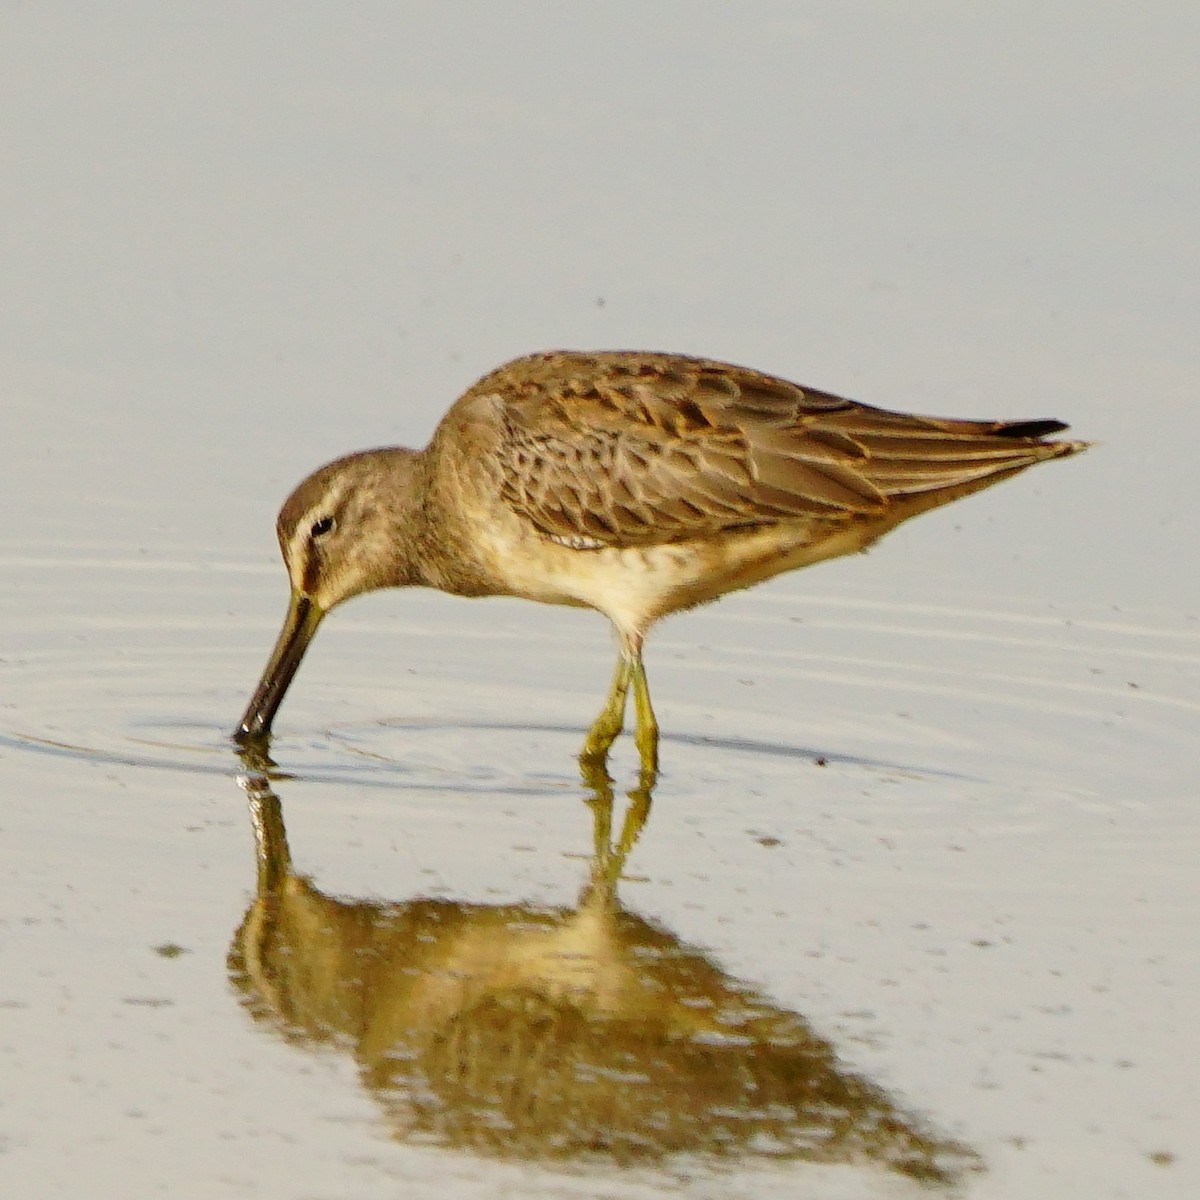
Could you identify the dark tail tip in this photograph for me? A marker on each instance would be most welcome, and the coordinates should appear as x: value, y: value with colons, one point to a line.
x: 1030, y: 429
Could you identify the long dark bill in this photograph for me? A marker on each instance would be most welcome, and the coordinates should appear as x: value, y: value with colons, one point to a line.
x: 303, y: 617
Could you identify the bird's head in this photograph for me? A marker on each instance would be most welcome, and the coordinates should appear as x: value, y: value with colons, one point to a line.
x: 342, y: 532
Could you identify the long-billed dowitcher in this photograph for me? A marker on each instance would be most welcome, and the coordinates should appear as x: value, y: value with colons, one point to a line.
x: 637, y: 484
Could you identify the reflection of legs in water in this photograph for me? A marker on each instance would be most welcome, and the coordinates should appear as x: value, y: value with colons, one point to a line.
x: 274, y: 861
x: 608, y: 857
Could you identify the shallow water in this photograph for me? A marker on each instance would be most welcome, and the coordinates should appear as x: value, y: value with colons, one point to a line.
x: 913, y: 902
x: 936, y: 868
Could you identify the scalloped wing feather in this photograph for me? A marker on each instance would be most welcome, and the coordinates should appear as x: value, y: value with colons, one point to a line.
x: 629, y: 449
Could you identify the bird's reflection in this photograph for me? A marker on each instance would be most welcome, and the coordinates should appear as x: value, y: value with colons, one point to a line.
x: 555, y: 1033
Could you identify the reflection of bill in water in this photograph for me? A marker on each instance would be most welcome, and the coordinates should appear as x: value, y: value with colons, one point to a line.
x: 556, y: 1034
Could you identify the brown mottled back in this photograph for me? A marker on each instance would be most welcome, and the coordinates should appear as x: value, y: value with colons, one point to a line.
x: 640, y: 449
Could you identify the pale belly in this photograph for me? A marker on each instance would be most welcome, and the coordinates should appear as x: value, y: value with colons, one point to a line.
x: 634, y: 586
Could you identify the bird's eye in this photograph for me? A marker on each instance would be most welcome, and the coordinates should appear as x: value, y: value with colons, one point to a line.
x: 321, y: 527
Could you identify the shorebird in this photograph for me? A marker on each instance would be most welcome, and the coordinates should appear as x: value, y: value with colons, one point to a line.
x: 637, y: 484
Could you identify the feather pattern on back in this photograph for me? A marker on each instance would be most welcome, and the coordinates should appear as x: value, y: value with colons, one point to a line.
x: 632, y: 449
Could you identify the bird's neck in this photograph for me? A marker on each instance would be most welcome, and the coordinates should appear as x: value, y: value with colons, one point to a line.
x: 442, y: 540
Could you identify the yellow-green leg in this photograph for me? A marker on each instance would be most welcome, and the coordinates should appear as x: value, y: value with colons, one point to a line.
x: 608, y: 725
x: 646, y: 733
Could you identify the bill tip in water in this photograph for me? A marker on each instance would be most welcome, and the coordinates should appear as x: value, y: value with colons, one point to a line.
x: 251, y: 733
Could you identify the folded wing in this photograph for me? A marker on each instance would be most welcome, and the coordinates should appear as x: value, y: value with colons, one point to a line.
x: 628, y: 449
